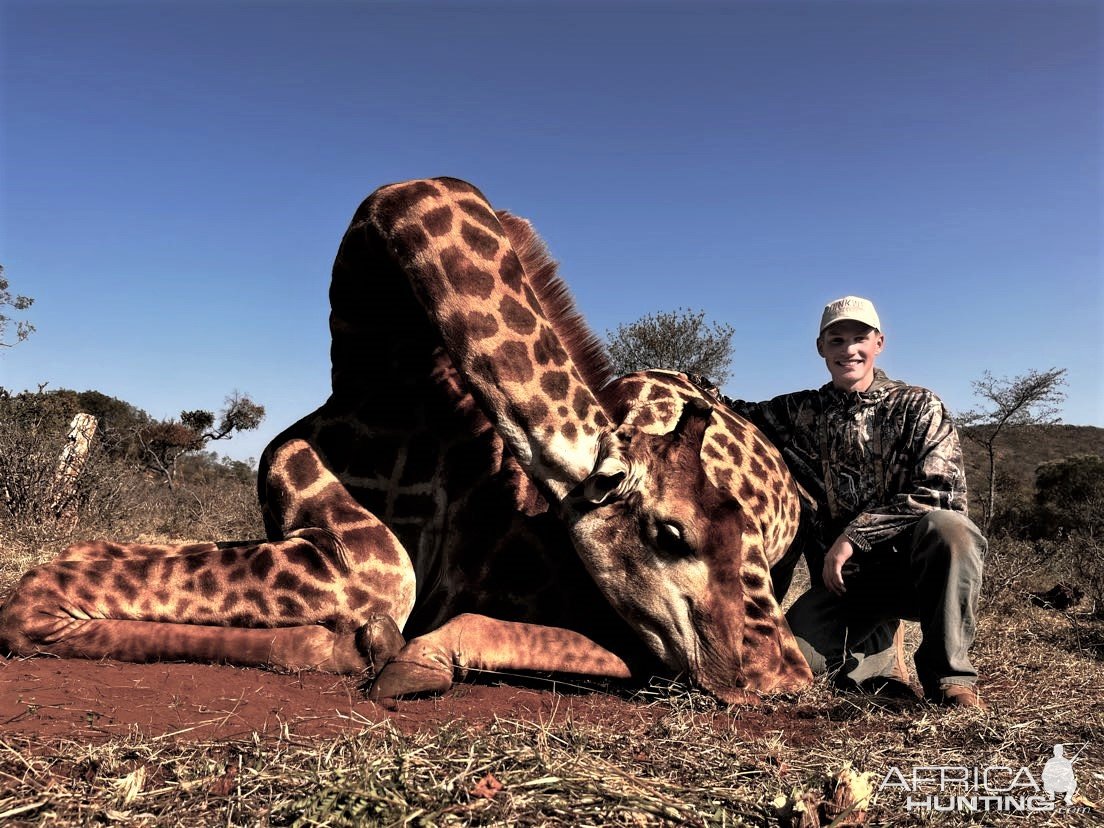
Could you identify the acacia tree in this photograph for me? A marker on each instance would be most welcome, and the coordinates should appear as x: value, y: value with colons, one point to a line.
x: 679, y: 340
x: 23, y: 329
x: 1029, y: 399
x: 163, y: 443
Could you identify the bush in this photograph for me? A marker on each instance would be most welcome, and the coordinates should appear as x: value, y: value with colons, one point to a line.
x: 111, y: 496
x: 1069, y: 497
x: 36, y: 511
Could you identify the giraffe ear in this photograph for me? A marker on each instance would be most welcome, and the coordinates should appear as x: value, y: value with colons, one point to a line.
x: 606, y: 482
x: 694, y: 419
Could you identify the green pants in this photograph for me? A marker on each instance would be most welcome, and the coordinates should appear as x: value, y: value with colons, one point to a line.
x: 931, y: 575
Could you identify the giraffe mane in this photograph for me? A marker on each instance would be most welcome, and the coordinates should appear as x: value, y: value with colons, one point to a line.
x: 582, y: 344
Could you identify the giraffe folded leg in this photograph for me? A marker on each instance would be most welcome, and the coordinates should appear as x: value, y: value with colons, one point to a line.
x: 314, y: 599
x: 305, y: 647
x: 287, y: 604
x: 430, y: 663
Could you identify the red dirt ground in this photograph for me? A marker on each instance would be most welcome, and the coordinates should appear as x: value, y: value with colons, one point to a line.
x: 95, y: 701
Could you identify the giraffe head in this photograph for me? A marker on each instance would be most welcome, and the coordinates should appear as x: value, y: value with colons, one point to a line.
x: 685, y: 511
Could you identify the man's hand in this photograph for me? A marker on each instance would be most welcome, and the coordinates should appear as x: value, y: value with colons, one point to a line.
x: 837, y: 556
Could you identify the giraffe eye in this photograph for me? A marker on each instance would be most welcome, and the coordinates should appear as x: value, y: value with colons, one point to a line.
x: 671, y: 539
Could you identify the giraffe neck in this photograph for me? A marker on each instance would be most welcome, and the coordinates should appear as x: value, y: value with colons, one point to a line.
x: 467, y: 274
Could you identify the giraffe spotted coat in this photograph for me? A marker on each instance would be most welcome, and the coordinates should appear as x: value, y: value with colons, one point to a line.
x: 476, y: 494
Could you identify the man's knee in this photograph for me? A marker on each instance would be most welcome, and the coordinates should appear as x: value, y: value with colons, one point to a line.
x: 815, y: 620
x: 953, y: 531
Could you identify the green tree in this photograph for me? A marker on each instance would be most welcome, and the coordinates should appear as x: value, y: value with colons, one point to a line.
x: 23, y: 329
x: 163, y: 443
x: 1029, y: 399
x: 678, y: 340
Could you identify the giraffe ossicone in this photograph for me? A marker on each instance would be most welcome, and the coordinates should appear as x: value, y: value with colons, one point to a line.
x: 477, y: 494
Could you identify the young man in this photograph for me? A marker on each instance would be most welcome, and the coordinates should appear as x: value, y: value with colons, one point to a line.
x: 890, y: 538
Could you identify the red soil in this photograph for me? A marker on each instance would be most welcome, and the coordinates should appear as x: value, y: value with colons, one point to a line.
x: 95, y: 701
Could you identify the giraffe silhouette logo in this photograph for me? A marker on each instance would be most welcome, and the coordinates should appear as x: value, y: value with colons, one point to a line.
x: 1058, y: 776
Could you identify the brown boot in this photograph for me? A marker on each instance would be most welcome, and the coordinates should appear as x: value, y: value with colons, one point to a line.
x: 957, y: 695
x: 887, y: 687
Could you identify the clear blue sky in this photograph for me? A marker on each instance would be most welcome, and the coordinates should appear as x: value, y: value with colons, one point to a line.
x: 176, y: 177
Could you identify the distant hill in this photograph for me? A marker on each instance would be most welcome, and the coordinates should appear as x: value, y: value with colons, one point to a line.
x: 1021, y: 449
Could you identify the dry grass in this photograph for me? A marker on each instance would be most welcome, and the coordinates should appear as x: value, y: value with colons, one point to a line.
x: 693, y: 765
x: 689, y: 762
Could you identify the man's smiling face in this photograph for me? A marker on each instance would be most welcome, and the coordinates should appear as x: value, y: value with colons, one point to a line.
x: 849, y: 349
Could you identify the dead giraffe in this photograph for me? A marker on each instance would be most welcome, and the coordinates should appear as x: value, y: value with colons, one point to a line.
x: 475, y: 480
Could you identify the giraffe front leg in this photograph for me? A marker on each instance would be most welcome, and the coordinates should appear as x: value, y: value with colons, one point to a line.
x: 430, y: 663
x: 251, y: 606
x: 329, y: 596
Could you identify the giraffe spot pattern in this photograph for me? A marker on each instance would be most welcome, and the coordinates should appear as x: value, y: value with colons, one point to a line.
x: 409, y: 241
x: 547, y: 350
x: 532, y: 300
x: 301, y: 469
x: 261, y: 564
x: 756, y: 469
x: 511, y: 272
x: 307, y: 557
x: 753, y: 581
x: 762, y: 629
x: 258, y: 599
x: 389, y: 206
x: 555, y: 384
x: 464, y: 275
x: 438, y: 221
x: 124, y: 587
x: 580, y: 403
x: 516, y: 316
x: 207, y: 584
x: 481, y: 242
x: 475, y: 324
x: 511, y: 362
x: 287, y: 580
x: 535, y: 411
x: 457, y: 185
x: 138, y: 568
x: 194, y: 563
x: 754, y: 611
x: 736, y: 454
x: 289, y: 607
x: 478, y: 211
x: 376, y: 538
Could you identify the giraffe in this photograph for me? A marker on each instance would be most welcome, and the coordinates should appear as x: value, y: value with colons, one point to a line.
x: 476, y: 494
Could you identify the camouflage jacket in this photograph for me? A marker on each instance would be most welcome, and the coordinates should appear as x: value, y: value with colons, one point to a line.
x: 873, y: 461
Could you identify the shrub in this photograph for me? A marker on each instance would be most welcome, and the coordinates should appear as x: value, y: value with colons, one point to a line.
x: 112, y: 495
x: 1069, y: 496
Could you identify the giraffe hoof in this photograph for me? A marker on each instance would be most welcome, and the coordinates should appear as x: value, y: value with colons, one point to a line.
x: 402, y: 679
x: 379, y: 641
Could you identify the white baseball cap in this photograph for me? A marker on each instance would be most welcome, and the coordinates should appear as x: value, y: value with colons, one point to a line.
x: 850, y: 307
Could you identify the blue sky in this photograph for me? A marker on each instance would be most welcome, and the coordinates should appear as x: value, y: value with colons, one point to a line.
x: 176, y: 177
